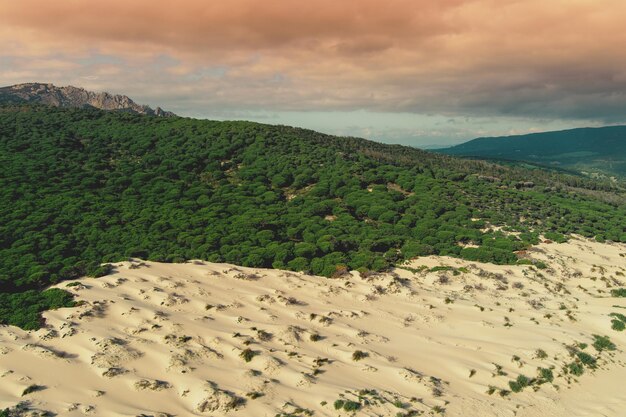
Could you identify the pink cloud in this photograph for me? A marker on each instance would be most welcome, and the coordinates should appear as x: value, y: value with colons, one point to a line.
x: 448, y: 56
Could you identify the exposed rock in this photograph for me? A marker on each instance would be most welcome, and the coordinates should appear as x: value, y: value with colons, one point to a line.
x: 219, y: 400
x: 112, y: 372
x: 113, y: 352
x: 152, y: 384
x: 70, y: 96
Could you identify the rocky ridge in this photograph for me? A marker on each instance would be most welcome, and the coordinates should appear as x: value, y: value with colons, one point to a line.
x: 69, y: 96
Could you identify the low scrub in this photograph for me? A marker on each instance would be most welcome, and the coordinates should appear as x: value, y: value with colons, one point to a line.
x: 520, y: 383
x: 545, y: 375
x: 619, y: 292
x: 575, y: 369
x: 619, y: 322
x: 602, y: 343
x: 248, y: 354
x: 347, y: 405
x: 359, y: 354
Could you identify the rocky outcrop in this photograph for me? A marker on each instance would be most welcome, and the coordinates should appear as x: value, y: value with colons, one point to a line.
x: 51, y: 95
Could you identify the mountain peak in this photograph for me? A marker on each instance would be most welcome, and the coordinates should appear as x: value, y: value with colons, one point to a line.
x: 70, y: 96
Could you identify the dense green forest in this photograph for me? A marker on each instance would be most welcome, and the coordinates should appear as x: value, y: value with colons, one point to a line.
x: 593, y: 150
x: 82, y: 187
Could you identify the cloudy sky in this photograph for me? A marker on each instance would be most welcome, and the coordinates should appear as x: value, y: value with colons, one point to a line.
x: 418, y: 72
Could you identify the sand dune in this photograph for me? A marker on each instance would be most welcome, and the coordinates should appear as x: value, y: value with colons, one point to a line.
x: 203, y: 339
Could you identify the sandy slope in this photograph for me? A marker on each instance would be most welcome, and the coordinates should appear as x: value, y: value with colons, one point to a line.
x: 166, y: 339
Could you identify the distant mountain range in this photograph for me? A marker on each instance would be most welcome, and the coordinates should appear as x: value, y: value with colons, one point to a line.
x: 591, y: 150
x: 70, y: 96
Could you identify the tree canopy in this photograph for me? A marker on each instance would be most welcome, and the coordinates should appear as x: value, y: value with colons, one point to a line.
x: 82, y: 187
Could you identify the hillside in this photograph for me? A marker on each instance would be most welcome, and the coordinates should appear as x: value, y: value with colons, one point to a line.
x: 591, y: 150
x: 82, y: 187
x: 439, y: 336
x: 70, y: 96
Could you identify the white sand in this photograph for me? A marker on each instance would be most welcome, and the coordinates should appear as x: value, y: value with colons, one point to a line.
x: 167, y: 338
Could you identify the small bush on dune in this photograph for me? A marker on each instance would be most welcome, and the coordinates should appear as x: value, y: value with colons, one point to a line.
x: 619, y: 292
x: 264, y: 336
x: 254, y: 395
x: 520, y: 383
x: 618, y: 316
x: 32, y: 388
x: 575, y: 368
x: 100, y: 271
x: 351, y: 406
x: 586, y: 359
x: 602, y: 343
x: 546, y: 375
x: 346, y: 405
x: 338, y: 404
x: 515, y: 386
x: 619, y: 322
x: 359, y: 354
x: 248, y: 354
x: 439, y: 409
x: 618, y: 325
x: 315, y: 337
x: 441, y: 268
x: 398, y: 404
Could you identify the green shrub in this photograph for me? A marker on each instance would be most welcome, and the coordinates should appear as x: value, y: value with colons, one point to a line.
x: 438, y: 409
x: 575, y: 368
x: 520, y: 383
x: 523, y: 380
x: 32, y: 388
x: 357, y: 355
x: 253, y: 395
x: 100, y: 270
x: 546, y: 375
x: 619, y: 292
x: 351, y: 406
x: 248, y: 354
x: 602, y: 343
x: 488, y: 254
x: 515, y: 386
x: 504, y: 393
x: 441, y: 268
x: 338, y: 404
x: 315, y: 337
x: 556, y: 237
x: 398, y: 404
x: 618, y: 316
x: 586, y: 359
